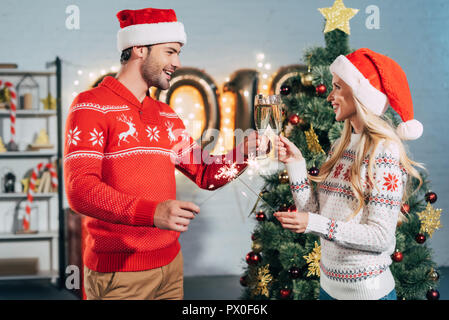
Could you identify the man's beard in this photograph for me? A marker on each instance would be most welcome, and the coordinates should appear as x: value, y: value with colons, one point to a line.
x: 151, y: 74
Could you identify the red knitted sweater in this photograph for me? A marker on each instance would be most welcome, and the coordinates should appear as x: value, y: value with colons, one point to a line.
x: 119, y: 163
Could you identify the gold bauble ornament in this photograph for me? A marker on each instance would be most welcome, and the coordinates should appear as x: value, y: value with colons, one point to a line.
x: 433, y: 275
x: 307, y: 79
x: 338, y: 16
x: 283, y: 177
x: 256, y: 246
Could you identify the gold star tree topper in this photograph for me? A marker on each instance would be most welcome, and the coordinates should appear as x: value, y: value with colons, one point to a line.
x: 430, y: 219
x: 313, y: 259
x: 338, y: 16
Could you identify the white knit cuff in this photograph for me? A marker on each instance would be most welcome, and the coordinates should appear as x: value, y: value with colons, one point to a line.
x: 317, y: 224
x: 297, y: 170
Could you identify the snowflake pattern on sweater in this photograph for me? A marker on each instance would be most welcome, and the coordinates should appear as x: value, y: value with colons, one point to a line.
x: 365, y: 242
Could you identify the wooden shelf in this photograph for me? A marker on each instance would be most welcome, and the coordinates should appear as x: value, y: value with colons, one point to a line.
x: 38, y: 276
x: 31, y: 73
x: 54, y: 239
x: 7, y: 236
x: 29, y: 113
x: 20, y: 195
x: 27, y: 154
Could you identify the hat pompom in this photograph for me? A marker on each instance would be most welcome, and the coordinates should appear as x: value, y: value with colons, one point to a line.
x: 410, y: 130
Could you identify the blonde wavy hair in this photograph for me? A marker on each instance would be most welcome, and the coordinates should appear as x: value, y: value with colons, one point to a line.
x: 375, y: 129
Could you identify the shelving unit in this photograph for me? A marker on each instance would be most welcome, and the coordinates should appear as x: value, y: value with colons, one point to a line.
x: 53, y: 237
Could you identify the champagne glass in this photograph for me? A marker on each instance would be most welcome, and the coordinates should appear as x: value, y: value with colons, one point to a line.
x: 267, y: 114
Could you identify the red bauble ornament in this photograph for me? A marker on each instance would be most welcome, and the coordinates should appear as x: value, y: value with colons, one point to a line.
x: 253, y: 258
x: 260, y: 216
x: 285, y: 293
x: 431, y: 197
x: 405, y: 209
x: 244, y: 281
x: 294, y: 119
x: 294, y: 272
x: 420, y: 238
x: 321, y: 89
x: 285, y: 90
x: 292, y: 208
x: 253, y: 237
x: 397, y: 256
x: 433, y: 294
x: 313, y: 171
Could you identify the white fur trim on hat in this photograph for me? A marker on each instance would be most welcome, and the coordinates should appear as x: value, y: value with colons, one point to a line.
x: 146, y: 34
x: 375, y: 100
x: 410, y: 130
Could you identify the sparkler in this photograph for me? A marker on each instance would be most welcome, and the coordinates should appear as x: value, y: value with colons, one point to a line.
x: 230, y: 172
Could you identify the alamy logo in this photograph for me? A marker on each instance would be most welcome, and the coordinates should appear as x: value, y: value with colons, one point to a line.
x: 72, y: 22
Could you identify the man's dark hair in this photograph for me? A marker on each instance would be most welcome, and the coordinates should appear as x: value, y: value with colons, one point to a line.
x: 126, y: 54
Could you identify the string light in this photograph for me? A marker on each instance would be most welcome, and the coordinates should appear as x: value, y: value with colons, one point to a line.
x: 265, y: 79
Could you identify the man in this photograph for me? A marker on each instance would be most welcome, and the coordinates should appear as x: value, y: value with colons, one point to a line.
x: 121, y: 150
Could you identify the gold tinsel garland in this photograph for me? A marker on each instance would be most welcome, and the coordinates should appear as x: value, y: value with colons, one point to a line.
x: 312, y: 141
x: 313, y: 259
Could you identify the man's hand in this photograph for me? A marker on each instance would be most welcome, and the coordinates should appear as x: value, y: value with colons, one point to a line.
x: 174, y: 215
x: 255, y: 144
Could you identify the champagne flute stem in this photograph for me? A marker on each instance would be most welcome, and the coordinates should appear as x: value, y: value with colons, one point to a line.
x: 257, y: 195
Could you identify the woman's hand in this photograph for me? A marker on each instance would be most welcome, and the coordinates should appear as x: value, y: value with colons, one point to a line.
x: 293, y: 221
x: 287, y: 151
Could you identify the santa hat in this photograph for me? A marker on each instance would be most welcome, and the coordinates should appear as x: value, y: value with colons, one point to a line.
x: 377, y: 80
x: 148, y: 26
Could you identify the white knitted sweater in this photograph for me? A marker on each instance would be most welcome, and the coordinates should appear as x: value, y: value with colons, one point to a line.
x: 355, y: 254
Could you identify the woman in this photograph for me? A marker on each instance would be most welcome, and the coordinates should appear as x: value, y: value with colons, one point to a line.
x: 361, y: 186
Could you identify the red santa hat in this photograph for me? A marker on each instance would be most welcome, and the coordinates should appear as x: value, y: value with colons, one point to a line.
x: 148, y: 26
x: 377, y: 80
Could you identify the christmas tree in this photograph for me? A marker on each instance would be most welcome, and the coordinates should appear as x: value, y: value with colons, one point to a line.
x: 285, y: 265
